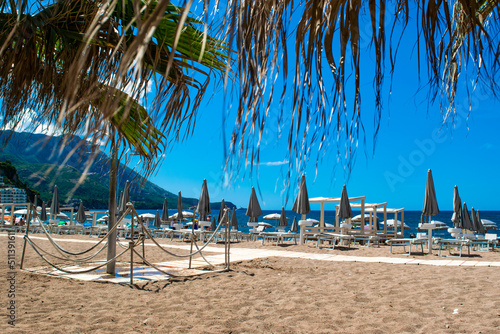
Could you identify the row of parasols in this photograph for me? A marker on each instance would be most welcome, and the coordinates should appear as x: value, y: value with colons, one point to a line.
x: 461, y: 218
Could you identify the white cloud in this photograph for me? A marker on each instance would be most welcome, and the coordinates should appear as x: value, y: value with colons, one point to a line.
x: 27, y: 124
x: 274, y: 163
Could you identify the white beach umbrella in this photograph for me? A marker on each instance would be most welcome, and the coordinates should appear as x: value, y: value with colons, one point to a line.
x: 489, y: 225
x: 185, y: 214
x: 436, y: 225
x: 390, y: 223
x: 272, y: 216
x: 147, y: 216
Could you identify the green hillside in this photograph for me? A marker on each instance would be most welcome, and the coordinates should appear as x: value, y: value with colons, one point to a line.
x: 33, y: 155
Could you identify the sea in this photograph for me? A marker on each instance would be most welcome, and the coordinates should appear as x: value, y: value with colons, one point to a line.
x: 411, y: 218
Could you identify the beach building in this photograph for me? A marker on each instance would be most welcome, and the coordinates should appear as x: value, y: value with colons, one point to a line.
x: 11, y: 194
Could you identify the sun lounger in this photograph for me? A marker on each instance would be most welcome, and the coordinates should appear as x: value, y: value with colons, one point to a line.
x: 367, y: 239
x: 453, y: 243
x: 492, y: 240
x: 406, y: 242
x: 280, y: 237
x: 333, y: 239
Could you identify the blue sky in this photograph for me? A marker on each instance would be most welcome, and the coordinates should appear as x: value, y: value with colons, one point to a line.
x: 412, y: 140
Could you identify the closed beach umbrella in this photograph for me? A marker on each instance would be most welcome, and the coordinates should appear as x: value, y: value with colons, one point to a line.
x: 234, y: 220
x: 467, y: 224
x: 54, y: 206
x: 301, y: 204
x: 345, y: 210
x: 157, y: 221
x: 221, y: 211
x: 253, y: 210
x: 124, y: 199
x: 481, y: 228
x: 473, y: 217
x: 43, y: 213
x: 295, y: 226
x: 430, y: 202
x: 80, y: 215
x: 213, y: 226
x: 283, y: 220
x: 204, y: 202
x: 179, y: 207
x: 164, y: 210
x: 457, y: 209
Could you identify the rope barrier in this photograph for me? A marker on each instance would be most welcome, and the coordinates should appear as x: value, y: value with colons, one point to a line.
x: 64, y: 251
x: 131, y: 246
x: 170, y: 274
x: 66, y: 258
x: 73, y: 272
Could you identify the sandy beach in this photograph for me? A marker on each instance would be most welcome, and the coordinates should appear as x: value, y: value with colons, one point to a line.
x: 265, y: 295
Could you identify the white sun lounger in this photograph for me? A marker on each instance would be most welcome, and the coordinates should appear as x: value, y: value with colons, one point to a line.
x: 453, y: 243
x: 406, y: 242
x: 333, y: 239
x: 280, y: 237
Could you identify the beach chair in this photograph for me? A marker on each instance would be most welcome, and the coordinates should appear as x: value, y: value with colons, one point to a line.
x: 367, y: 240
x: 492, y: 240
x: 333, y: 239
x: 451, y: 244
x: 406, y: 242
x: 280, y: 237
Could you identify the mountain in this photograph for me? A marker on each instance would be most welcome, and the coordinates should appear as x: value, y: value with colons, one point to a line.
x: 38, y: 158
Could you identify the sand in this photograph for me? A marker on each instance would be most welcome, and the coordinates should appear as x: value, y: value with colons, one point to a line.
x: 267, y: 295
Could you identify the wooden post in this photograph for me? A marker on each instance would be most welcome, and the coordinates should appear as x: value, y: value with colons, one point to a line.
x: 28, y: 223
x: 362, y: 216
x: 229, y: 243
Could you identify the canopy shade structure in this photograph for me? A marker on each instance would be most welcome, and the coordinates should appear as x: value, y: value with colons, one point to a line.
x: 324, y: 200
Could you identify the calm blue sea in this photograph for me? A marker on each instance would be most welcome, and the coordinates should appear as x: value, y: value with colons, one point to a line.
x: 411, y: 218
